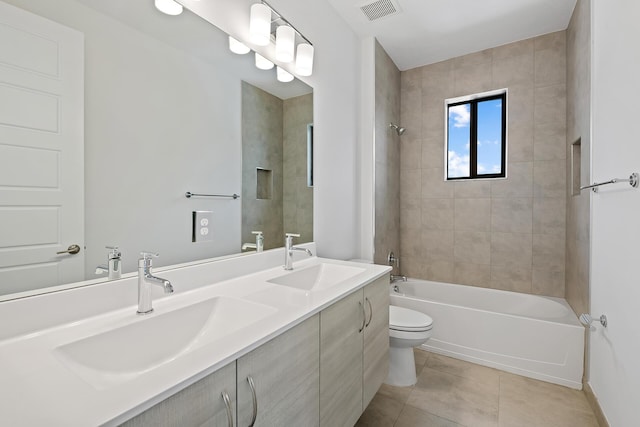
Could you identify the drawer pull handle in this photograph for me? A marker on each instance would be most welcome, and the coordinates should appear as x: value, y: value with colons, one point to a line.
x: 370, y: 312
x: 364, y: 317
x: 255, y: 401
x: 227, y: 404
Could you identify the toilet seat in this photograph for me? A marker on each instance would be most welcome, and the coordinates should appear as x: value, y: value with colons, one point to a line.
x: 404, y: 319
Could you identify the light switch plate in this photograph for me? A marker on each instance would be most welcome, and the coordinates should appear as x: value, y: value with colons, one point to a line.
x: 202, y: 226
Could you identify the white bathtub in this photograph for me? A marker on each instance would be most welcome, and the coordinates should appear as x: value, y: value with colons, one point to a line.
x: 534, y: 336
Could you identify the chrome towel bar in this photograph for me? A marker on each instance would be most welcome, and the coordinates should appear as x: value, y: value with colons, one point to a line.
x: 189, y: 195
x: 633, y: 181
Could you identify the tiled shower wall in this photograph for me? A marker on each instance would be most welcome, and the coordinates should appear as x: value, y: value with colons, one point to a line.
x: 507, y: 233
x: 387, y: 158
x: 578, y: 129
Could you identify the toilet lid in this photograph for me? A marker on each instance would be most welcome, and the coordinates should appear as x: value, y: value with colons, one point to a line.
x: 404, y: 319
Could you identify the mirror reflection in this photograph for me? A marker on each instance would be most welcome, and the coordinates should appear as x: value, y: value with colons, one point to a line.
x: 163, y: 108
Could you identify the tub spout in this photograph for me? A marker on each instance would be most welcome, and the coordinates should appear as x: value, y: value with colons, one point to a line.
x: 394, y: 278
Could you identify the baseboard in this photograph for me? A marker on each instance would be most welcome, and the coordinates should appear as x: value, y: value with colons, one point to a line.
x: 595, y: 406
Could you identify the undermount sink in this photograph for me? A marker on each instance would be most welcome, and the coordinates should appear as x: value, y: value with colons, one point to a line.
x: 121, y: 354
x: 317, y: 277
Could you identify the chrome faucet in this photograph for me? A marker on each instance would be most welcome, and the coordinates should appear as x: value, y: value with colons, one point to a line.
x: 258, y: 245
x: 288, y: 250
x: 397, y: 278
x: 145, y: 280
x: 114, y: 264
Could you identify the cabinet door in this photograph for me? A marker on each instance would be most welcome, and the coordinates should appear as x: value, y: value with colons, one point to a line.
x: 376, y: 337
x: 285, y: 374
x: 199, y: 404
x: 341, y: 332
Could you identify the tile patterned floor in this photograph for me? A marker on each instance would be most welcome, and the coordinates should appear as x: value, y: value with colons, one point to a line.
x: 454, y: 393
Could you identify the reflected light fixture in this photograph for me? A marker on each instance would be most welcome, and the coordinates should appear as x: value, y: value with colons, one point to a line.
x: 169, y: 7
x: 304, y: 59
x: 285, y: 43
x: 260, y: 24
x: 283, y: 75
x: 238, y: 47
x: 263, y: 63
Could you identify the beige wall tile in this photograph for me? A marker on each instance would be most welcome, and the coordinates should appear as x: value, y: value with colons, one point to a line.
x: 412, y: 245
x: 413, y: 266
x: 410, y: 153
x: 437, y: 214
x: 511, y: 250
x: 549, y: 141
x: 519, y: 181
x: 410, y: 215
x: 511, y: 279
x: 520, y: 141
x: 472, y: 79
x: 410, y: 183
x: 433, y: 153
x: 549, y: 178
x: 548, y: 251
x: 434, y: 185
x: 556, y: 41
x: 478, y: 189
x: 472, y: 274
x: 548, y: 283
x: 472, y: 214
x: 550, y: 68
x: 550, y: 104
x: 472, y: 247
x: 475, y: 58
x: 438, y: 245
x: 438, y: 271
x: 549, y: 215
x: 513, y: 70
x: 512, y: 215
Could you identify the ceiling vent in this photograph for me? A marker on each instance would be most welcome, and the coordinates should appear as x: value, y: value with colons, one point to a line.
x: 379, y: 9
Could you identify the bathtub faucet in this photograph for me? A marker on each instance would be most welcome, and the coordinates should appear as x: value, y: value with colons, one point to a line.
x: 397, y: 278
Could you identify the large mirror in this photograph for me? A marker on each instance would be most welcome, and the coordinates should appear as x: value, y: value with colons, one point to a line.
x: 168, y: 109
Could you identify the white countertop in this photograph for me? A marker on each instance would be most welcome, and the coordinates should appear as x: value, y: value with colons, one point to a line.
x: 37, y: 388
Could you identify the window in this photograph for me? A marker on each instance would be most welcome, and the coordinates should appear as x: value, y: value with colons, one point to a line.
x: 476, y: 141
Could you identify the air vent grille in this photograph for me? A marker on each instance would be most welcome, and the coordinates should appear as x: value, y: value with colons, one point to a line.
x: 379, y: 9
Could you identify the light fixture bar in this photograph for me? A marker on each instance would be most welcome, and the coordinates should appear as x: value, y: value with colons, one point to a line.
x: 279, y: 16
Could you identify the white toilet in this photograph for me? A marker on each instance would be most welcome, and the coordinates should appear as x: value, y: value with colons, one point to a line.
x: 407, y: 329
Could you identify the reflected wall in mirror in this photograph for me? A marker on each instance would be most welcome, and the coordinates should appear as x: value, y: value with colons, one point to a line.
x: 162, y: 116
x: 276, y: 198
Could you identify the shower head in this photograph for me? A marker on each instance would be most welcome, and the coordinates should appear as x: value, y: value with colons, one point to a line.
x: 399, y: 130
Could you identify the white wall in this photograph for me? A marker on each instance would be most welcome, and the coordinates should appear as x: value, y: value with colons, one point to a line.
x: 336, y: 85
x: 615, y: 260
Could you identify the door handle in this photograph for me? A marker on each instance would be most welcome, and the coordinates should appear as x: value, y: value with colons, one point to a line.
x: 71, y: 250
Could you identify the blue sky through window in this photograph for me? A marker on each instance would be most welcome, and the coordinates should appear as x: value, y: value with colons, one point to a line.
x: 489, y: 139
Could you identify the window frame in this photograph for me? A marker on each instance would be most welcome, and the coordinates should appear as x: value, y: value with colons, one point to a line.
x: 473, y: 101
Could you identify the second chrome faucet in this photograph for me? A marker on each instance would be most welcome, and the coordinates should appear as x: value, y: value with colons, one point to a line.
x: 289, y: 248
x: 145, y: 280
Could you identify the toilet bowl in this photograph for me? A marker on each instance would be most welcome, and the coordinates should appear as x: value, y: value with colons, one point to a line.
x: 407, y: 329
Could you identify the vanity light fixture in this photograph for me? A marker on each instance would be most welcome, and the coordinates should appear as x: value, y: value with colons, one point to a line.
x: 285, y: 43
x: 260, y: 24
x: 283, y: 76
x: 264, y: 22
x: 169, y: 7
x: 304, y: 59
x: 263, y: 63
x: 238, y: 47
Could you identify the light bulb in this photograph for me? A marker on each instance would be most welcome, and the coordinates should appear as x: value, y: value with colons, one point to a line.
x: 237, y: 47
x: 285, y: 43
x: 304, y: 59
x: 263, y: 63
x: 283, y: 75
x: 169, y: 7
x: 260, y: 24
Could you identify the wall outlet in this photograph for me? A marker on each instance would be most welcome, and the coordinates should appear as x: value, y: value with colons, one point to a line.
x: 202, y: 226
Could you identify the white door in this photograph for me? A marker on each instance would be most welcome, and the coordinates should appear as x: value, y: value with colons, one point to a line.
x: 41, y: 151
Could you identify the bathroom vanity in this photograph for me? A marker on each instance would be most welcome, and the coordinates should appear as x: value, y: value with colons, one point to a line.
x: 241, y: 339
